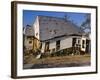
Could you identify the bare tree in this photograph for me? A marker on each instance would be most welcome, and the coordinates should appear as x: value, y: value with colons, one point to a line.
x: 86, y: 24
x: 66, y: 17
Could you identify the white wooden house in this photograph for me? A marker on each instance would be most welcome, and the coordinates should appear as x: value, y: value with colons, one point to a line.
x: 56, y: 34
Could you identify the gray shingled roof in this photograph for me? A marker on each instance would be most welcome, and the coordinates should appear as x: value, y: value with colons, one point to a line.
x: 29, y: 31
x: 51, y: 27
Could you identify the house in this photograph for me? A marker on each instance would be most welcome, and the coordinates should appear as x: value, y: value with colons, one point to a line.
x: 52, y: 34
x: 30, y: 42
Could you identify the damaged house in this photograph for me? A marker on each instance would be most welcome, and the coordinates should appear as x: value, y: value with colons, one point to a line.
x: 52, y: 34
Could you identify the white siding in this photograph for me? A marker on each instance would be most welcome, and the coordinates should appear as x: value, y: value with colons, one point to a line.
x: 36, y: 28
x: 43, y: 47
x: 66, y: 43
x: 52, y: 45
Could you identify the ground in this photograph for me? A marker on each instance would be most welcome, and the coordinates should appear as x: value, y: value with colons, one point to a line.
x: 58, y: 61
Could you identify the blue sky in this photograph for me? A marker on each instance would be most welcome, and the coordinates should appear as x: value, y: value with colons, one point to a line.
x: 29, y: 16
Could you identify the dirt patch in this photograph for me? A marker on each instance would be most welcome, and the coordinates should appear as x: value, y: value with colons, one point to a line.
x: 61, y: 61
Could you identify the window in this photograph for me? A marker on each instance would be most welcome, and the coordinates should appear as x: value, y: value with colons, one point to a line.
x: 78, y: 41
x: 30, y: 42
x: 83, y: 43
x: 57, y: 45
x: 74, y: 42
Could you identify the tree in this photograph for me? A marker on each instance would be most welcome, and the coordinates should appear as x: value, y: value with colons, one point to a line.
x: 86, y: 24
x: 66, y: 17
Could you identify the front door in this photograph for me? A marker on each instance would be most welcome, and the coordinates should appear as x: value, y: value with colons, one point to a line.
x: 46, y: 46
x: 57, y: 45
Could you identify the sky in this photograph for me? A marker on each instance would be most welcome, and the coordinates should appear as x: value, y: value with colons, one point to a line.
x: 29, y: 16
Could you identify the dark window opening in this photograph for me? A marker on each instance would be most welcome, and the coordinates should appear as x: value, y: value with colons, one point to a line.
x: 88, y: 48
x: 83, y: 43
x: 78, y: 41
x: 74, y: 42
x: 57, y: 45
x: 30, y: 42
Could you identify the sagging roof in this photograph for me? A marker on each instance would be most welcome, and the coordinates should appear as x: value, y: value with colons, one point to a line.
x: 51, y: 27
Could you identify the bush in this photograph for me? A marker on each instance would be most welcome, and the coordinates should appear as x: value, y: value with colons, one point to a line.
x: 64, y: 52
